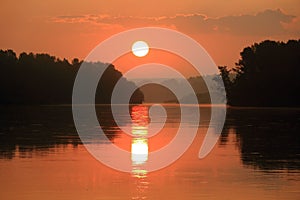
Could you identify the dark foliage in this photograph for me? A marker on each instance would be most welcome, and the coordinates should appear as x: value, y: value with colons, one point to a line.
x: 44, y: 79
x: 266, y: 75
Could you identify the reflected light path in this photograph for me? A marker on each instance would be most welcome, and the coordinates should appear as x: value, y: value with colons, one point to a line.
x: 139, y: 142
x: 139, y: 149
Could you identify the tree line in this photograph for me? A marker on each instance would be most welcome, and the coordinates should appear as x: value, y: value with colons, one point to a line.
x: 267, y: 74
x: 45, y: 79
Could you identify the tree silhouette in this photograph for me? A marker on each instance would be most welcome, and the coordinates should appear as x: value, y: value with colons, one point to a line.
x: 44, y: 79
x: 266, y: 75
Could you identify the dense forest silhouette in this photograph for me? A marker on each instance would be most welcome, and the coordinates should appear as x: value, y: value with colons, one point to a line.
x: 40, y: 79
x: 266, y: 75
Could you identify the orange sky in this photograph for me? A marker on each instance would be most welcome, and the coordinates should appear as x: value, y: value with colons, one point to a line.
x: 72, y: 28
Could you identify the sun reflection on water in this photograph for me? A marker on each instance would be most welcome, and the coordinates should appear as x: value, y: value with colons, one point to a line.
x: 139, y: 149
x: 139, y: 142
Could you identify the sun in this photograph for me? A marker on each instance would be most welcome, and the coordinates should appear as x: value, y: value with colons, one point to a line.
x: 140, y: 48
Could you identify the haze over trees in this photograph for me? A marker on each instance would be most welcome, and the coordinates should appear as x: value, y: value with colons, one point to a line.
x: 45, y: 79
x: 268, y: 74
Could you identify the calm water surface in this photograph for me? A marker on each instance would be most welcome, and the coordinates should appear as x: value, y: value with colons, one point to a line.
x: 256, y: 157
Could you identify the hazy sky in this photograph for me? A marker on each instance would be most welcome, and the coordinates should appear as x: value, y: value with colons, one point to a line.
x: 72, y: 28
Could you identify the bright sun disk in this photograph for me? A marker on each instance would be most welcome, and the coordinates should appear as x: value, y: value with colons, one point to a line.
x: 140, y: 48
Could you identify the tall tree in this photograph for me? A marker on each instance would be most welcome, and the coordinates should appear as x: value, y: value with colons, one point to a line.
x: 266, y: 75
